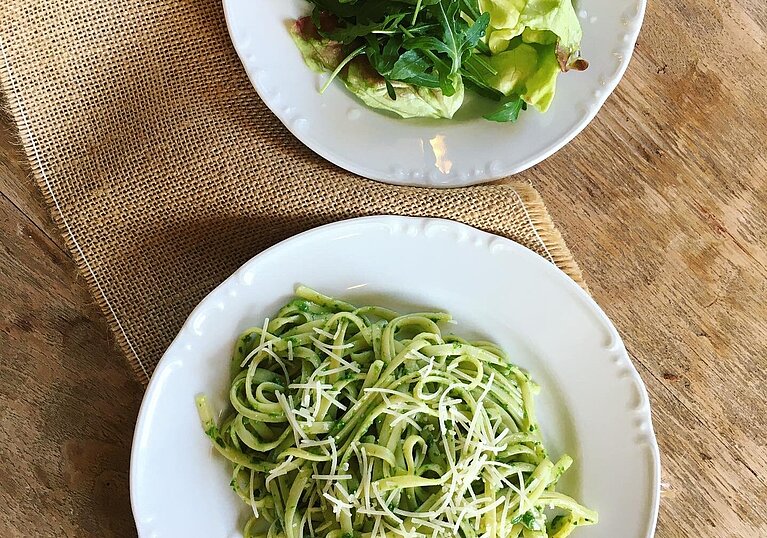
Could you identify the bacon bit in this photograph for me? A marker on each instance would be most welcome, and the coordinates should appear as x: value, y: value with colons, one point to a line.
x: 563, y: 58
x: 333, y: 54
x: 366, y: 70
x: 305, y: 26
x: 328, y: 22
x: 328, y: 53
x: 580, y: 65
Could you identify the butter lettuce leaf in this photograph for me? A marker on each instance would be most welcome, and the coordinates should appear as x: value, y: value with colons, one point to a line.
x: 425, y: 100
x: 528, y: 70
x: 531, y: 42
x: 535, y: 19
x: 411, y: 101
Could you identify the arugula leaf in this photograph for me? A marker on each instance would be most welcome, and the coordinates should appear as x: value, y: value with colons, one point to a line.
x: 458, y: 38
x: 412, y: 68
x: 509, y: 111
x: 476, y: 32
x: 482, y: 88
x: 471, y: 7
x: 392, y: 48
x: 423, y: 28
x: 450, y: 38
x: 529, y: 519
x: 347, y: 34
x: 427, y: 43
x: 383, y: 58
x: 390, y: 91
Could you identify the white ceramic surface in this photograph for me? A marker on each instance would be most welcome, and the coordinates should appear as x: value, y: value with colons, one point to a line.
x: 593, y: 404
x: 446, y: 153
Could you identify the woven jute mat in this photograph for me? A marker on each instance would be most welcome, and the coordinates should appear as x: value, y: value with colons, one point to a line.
x: 165, y: 172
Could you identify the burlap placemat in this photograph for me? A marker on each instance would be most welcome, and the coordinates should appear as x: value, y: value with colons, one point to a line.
x: 165, y: 172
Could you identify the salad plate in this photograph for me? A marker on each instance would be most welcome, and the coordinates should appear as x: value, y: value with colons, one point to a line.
x: 464, y: 150
x: 592, y: 406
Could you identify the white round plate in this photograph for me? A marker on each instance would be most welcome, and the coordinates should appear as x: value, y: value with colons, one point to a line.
x: 592, y: 406
x: 442, y: 153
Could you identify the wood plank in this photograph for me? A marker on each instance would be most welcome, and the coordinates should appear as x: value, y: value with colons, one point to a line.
x: 663, y: 200
x: 17, y: 183
x: 67, y: 399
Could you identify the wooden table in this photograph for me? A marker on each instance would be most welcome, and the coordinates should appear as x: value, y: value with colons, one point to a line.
x: 663, y: 200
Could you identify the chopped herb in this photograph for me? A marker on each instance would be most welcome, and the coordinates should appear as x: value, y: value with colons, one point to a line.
x: 338, y: 426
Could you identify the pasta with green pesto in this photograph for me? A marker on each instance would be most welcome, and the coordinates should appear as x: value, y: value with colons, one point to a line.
x: 353, y: 421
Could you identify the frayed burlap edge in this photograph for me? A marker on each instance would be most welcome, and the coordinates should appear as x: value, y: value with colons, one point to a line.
x: 16, y: 109
x: 549, y: 234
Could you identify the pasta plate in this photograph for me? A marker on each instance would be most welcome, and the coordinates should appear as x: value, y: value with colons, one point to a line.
x: 593, y: 405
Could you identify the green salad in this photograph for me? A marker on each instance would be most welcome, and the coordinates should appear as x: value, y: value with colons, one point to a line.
x: 361, y: 422
x: 417, y: 58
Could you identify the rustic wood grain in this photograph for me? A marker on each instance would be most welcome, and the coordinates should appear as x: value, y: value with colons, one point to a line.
x: 663, y: 199
x: 68, y: 402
